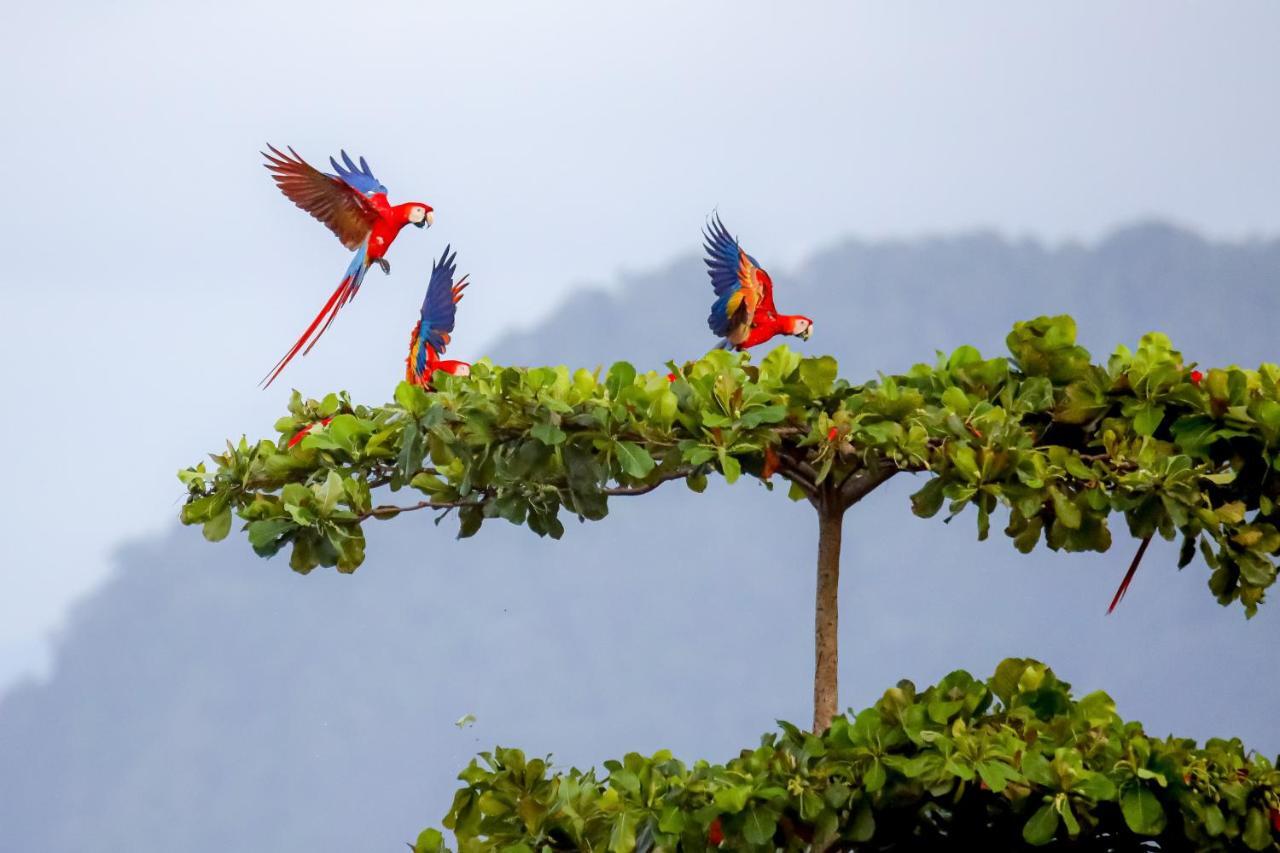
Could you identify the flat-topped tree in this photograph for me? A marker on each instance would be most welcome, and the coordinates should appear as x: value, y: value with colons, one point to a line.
x: 1061, y: 442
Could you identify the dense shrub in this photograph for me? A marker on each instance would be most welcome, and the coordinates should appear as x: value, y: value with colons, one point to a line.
x: 1010, y: 762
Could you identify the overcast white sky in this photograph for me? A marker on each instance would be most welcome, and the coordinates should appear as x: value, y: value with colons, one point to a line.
x: 154, y: 273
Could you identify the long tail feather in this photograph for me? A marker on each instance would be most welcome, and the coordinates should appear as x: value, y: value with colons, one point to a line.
x: 341, y: 296
x: 1133, y: 567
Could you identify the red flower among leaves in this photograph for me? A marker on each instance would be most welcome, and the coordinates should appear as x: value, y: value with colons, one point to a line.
x: 1196, y: 376
x: 671, y: 377
x: 832, y: 434
x: 715, y: 833
x: 771, y: 461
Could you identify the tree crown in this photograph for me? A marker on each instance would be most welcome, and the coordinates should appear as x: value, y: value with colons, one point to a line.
x: 1061, y: 442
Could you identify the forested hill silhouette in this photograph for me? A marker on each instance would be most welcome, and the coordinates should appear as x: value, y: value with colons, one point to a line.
x: 206, y: 700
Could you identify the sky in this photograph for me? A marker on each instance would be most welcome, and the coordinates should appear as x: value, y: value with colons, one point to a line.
x: 155, y: 273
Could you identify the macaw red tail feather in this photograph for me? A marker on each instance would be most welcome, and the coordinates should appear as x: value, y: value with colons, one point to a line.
x: 340, y: 297
x: 349, y: 292
x: 1133, y: 567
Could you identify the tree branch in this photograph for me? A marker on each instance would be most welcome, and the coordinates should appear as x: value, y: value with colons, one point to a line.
x: 854, y: 489
x: 390, y: 509
x: 791, y: 472
x: 627, y: 491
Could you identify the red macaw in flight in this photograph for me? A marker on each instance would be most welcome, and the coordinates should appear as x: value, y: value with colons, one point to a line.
x: 431, y: 333
x: 353, y: 205
x: 744, y: 314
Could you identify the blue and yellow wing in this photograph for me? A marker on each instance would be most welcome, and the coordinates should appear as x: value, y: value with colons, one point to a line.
x: 738, y: 288
x: 439, y: 310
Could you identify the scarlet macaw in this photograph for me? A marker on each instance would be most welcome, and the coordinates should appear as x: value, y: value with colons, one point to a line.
x: 431, y: 333
x: 353, y: 204
x: 744, y: 313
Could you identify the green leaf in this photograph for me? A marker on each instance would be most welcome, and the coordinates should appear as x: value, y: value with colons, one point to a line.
x: 1148, y: 419
x: 874, y: 778
x: 863, y: 826
x: 758, y: 825
x: 732, y: 799
x: 621, y: 375
x: 548, y: 433
x: 997, y: 774
x: 634, y: 459
x: 263, y: 535
x: 926, y: 502
x: 956, y: 400
x: 731, y: 467
x: 217, y: 528
x: 1042, y: 826
x: 818, y: 374
x: 1257, y: 830
x: 412, y: 398
x: 1066, y: 510
x: 622, y: 837
x: 429, y: 841
x: 1142, y: 811
x: 330, y: 492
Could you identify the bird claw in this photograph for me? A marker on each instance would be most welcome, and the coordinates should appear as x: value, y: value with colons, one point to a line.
x: 386, y: 267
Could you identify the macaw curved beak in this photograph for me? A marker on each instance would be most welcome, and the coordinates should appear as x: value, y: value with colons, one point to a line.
x: 427, y: 220
x: 808, y: 330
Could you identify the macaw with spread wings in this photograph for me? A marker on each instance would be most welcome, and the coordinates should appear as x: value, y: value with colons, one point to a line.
x: 431, y: 334
x: 353, y: 205
x: 744, y: 314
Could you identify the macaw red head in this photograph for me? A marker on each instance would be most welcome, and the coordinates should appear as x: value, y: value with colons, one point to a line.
x: 421, y: 215
x: 800, y: 326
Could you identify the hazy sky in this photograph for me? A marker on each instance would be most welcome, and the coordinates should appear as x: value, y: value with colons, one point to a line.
x: 154, y: 273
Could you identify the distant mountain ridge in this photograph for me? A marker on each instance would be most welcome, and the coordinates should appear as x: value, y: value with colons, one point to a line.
x: 206, y: 700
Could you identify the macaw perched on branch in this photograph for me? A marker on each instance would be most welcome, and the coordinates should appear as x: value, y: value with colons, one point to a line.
x: 744, y: 314
x: 431, y: 333
x: 353, y: 205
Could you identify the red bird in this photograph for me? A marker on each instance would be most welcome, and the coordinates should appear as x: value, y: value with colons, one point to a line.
x: 744, y: 314
x: 431, y: 333
x: 353, y: 205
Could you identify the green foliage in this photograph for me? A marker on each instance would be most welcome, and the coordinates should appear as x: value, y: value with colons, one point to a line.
x: 1060, y: 442
x: 964, y: 765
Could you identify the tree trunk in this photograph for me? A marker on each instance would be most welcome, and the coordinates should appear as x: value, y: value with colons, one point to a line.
x: 826, y: 676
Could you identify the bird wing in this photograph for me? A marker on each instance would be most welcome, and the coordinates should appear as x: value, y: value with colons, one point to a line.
x: 361, y: 177
x: 336, y: 200
x: 439, y: 308
x: 740, y: 285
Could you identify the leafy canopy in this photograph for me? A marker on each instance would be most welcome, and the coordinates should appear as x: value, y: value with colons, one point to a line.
x: 964, y: 765
x: 1061, y: 442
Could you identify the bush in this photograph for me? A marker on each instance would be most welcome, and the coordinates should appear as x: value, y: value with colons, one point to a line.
x: 1004, y: 764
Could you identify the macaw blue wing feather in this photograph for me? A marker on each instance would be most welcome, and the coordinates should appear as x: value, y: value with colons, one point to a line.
x: 722, y: 257
x: 440, y: 306
x: 731, y: 270
x: 359, y: 177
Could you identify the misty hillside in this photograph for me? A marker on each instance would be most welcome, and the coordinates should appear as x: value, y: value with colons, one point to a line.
x: 205, y: 700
